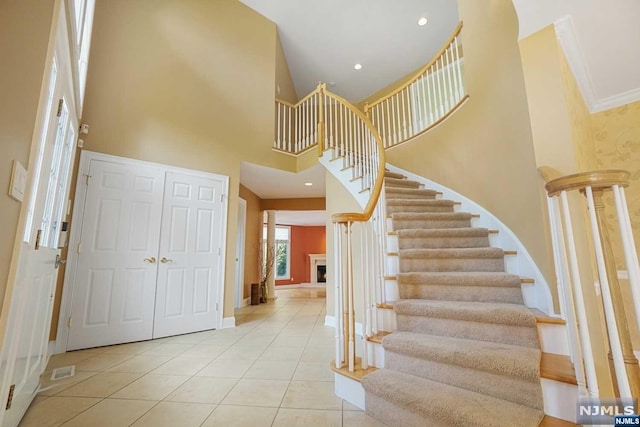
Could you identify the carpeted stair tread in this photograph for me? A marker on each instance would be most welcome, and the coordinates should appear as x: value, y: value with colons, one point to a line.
x: 462, y: 237
x: 482, y: 312
x: 389, y: 174
x: 496, y: 287
x: 422, y: 220
x: 419, y: 205
x: 502, y: 359
x: 443, y: 232
x: 431, y: 403
x: 446, y: 253
x: 460, y: 278
x: 420, y: 202
x: 451, y: 259
x: 401, y: 182
x: 412, y: 193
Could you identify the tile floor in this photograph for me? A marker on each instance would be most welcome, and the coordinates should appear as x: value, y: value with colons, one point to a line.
x: 271, y: 370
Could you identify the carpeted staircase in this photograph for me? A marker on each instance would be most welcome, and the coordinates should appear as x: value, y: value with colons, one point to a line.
x: 466, y: 351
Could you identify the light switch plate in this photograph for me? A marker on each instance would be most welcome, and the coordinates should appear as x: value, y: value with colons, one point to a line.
x: 18, y: 184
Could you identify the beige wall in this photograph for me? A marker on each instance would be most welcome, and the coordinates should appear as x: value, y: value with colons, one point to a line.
x: 284, y: 84
x: 485, y: 150
x: 24, y: 30
x: 186, y: 83
x: 253, y: 237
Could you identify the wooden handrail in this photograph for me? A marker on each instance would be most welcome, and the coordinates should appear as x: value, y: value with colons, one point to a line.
x: 309, y: 95
x: 420, y: 72
x: 377, y: 188
x: 594, y: 179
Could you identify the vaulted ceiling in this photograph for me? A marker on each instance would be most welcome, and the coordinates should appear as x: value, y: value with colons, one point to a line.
x: 324, y: 39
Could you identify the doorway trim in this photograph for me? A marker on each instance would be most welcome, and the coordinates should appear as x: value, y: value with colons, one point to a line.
x: 78, y: 214
x: 240, y: 251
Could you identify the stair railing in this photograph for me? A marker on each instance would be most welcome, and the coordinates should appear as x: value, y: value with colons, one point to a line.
x: 350, y: 136
x: 594, y: 185
x: 296, y: 126
x: 435, y: 92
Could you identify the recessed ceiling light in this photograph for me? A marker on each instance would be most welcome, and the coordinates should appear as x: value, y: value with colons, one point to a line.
x: 308, y: 184
x: 357, y: 66
x: 422, y: 21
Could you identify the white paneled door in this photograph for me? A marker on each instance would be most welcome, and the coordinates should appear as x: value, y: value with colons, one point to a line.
x: 115, y: 283
x: 149, y: 254
x: 190, y: 247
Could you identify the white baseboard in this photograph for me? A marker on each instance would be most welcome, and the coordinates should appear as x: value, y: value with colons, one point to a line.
x: 296, y: 286
x: 228, y: 322
x: 330, y: 321
x: 246, y: 302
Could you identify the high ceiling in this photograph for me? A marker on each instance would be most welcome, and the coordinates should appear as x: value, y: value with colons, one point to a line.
x: 324, y: 39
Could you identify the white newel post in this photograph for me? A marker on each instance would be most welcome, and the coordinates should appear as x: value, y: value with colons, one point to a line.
x: 271, y: 249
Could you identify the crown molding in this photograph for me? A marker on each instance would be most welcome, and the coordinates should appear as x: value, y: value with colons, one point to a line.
x: 568, y: 40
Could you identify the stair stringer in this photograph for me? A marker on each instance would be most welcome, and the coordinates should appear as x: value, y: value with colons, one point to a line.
x: 536, y: 295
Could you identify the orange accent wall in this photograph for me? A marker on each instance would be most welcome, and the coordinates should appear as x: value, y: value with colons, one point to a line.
x: 304, y: 241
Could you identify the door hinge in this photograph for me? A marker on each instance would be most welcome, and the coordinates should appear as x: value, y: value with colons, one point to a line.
x: 69, y: 322
x: 79, y: 246
x: 217, y: 307
x: 219, y: 251
x: 38, y: 236
x: 60, y: 105
x: 88, y: 177
x: 10, y: 397
x: 222, y: 198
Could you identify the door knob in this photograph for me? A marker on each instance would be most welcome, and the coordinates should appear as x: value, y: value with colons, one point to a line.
x: 151, y: 260
x: 165, y: 260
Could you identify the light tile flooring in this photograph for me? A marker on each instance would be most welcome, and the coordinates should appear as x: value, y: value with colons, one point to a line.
x: 271, y: 370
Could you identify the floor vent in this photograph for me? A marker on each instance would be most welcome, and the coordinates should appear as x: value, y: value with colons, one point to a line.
x: 64, y: 372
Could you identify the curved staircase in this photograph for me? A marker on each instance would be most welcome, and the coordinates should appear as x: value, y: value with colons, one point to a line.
x: 466, y: 350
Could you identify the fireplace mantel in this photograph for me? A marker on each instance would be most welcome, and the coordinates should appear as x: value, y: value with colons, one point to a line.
x: 314, y: 261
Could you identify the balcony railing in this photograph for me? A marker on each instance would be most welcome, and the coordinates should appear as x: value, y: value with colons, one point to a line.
x: 425, y: 100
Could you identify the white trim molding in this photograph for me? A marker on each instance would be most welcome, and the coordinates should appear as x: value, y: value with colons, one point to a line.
x: 568, y: 39
x: 229, y: 322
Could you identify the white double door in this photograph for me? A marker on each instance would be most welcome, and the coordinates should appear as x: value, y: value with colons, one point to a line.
x: 149, y: 255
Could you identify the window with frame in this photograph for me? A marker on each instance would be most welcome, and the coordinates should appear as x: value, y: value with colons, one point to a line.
x: 282, y: 253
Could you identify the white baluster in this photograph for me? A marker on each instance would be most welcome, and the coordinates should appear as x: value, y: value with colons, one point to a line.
x: 404, y: 115
x: 459, y: 68
x: 579, y: 296
x: 278, y: 135
x: 567, y: 302
x: 351, y: 319
x: 364, y: 275
x: 343, y: 127
x: 630, y: 254
x: 612, y: 327
x: 449, y: 83
x: 430, y: 95
x: 337, y: 261
x: 393, y: 121
x: 440, y: 78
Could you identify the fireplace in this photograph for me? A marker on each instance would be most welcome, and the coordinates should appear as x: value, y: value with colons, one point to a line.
x: 321, y: 273
x: 318, y: 268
